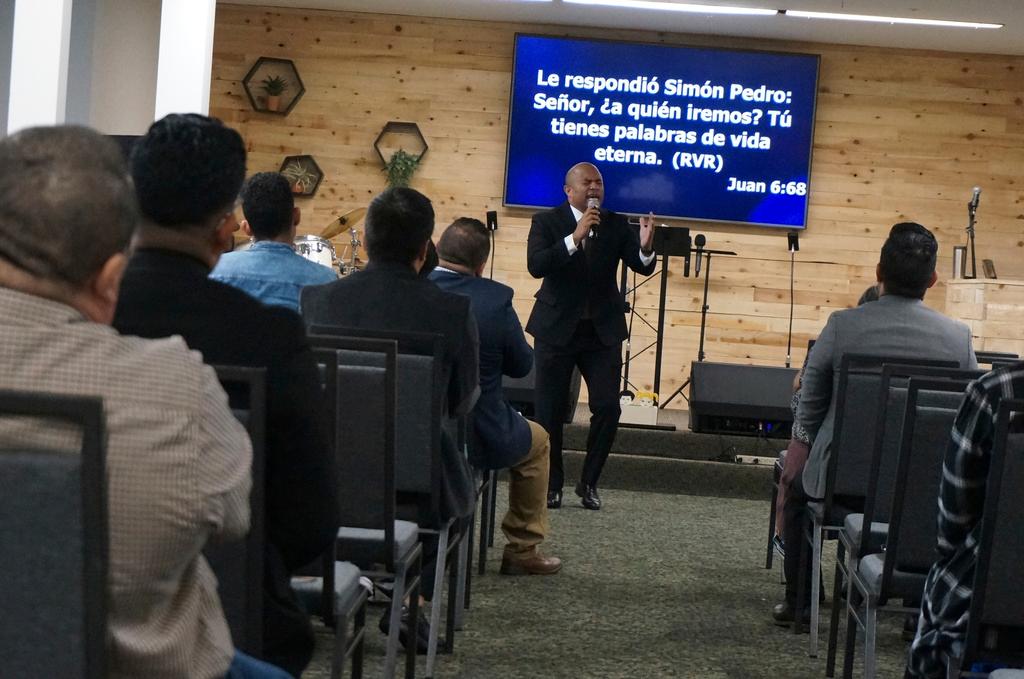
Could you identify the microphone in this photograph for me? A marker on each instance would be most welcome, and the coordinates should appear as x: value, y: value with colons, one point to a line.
x: 593, y: 203
x: 699, y: 241
x: 973, y: 205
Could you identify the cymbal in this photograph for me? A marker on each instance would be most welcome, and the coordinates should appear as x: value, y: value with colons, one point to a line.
x: 346, y: 221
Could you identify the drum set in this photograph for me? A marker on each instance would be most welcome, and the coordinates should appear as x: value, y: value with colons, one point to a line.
x: 320, y: 249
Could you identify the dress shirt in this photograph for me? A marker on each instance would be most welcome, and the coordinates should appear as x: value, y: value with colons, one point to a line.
x: 571, y: 246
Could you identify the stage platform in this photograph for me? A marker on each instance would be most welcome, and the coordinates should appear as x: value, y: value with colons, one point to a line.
x: 678, y: 461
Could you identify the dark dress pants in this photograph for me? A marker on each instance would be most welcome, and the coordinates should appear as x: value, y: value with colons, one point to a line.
x: 795, y: 524
x: 599, y: 365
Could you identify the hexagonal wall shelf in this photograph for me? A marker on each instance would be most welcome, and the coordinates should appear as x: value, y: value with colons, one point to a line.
x: 397, y: 136
x: 273, y: 85
x: 303, y: 174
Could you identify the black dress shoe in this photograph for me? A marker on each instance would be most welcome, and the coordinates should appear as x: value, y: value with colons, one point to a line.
x: 422, y: 628
x: 784, y: 614
x: 554, y: 499
x: 588, y: 496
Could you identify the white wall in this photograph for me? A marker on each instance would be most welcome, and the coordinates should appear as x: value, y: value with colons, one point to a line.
x: 126, y: 42
x: 6, y: 34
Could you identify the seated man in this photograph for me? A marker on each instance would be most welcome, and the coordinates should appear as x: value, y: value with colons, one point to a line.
x: 270, y: 270
x: 389, y: 294
x: 68, y: 215
x: 948, y: 589
x: 187, y: 171
x: 503, y: 437
x: 898, y: 324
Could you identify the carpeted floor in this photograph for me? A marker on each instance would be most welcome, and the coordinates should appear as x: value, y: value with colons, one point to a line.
x: 654, y: 585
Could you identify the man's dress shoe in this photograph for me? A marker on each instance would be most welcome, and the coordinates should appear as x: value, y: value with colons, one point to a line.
x: 783, y: 614
x: 588, y: 496
x: 535, y: 564
x: 554, y: 499
x: 422, y: 628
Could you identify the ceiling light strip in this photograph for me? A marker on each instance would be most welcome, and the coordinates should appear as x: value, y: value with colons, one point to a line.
x: 676, y: 7
x: 836, y: 16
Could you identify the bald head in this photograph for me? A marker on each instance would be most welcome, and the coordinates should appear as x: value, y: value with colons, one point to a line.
x: 583, y: 181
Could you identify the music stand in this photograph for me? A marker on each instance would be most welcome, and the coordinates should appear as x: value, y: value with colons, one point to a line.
x: 703, y: 318
x: 669, y: 241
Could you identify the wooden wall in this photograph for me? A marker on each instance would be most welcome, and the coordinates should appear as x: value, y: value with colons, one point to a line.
x: 900, y: 135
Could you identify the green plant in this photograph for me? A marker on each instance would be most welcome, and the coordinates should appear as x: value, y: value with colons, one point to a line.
x: 274, y: 86
x: 400, y: 168
x: 299, y: 176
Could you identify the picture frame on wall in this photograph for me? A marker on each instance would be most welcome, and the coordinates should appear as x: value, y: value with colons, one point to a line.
x: 959, y: 256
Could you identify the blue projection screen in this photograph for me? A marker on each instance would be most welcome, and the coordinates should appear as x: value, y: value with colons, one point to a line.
x: 702, y: 134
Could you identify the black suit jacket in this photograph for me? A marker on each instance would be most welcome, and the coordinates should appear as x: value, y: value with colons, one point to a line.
x: 167, y: 293
x: 586, y: 276
x: 388, y: 296
x: 502, y: 435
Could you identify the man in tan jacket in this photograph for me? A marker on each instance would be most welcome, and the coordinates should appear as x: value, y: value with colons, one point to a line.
x: 178, y: 463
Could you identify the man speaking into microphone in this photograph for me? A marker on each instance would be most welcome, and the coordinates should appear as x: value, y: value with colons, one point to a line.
x: 578, y: 319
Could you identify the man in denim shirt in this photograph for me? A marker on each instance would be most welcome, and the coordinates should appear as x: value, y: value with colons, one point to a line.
x: 270, y: 270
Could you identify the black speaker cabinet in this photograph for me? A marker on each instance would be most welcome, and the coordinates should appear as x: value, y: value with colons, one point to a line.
x: 519, y: 391
x: 741, y: 399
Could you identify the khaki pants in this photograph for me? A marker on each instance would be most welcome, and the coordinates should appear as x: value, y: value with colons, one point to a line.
x: 526, y: 523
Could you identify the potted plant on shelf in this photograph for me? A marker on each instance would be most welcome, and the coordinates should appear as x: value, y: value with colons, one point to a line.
x: 400, y: 168
x: 274, y: 86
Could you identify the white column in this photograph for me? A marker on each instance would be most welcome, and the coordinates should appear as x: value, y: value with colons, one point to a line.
x: 186, y: 57
x: 39, y: 63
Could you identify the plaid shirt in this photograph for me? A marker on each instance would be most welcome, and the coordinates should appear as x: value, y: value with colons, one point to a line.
x: 177, y: 465
x: 947, y: 592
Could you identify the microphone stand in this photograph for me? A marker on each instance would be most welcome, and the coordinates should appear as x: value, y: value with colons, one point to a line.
x: 971, y: 209
x: 703, y: 320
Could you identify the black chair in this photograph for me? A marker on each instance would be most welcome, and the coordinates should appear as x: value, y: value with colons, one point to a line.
x: 882, y: 470
x: 362, y: 407
x: 894, y: 561
x: 421, y: 416
x: 856, y: 419
x: 995, y: 628
x: 238, y: 564
x: 993, y: 357
x: 53, y: 543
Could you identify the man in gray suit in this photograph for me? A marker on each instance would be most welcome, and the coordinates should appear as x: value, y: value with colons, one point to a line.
x: 898, y: 324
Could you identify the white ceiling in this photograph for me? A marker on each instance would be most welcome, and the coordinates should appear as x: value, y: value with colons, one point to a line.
x: 1006, y: 40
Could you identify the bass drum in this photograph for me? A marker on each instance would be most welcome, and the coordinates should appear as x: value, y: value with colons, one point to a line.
x: 316, y: 249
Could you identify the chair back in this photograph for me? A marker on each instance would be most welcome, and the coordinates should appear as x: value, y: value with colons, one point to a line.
x: 420, y: 411
x: 361, y: 408
x: 993, y: 357
x: 53, y: 544
x: 996, y: 620
x: 238, y: 564
x: 889, y: 425
x: 857, y: 419
x: 932, y: 405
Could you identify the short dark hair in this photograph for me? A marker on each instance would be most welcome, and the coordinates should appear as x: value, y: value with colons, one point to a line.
x: 68, y: 203
x: 187, y: 168
x: 399, y: 222
x: 268, y: 204
x: 908, y: 260
x: 465, y: 242
x: 870, y: 294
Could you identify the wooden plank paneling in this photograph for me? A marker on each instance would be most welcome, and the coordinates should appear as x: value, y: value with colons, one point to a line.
x: 899, y: 135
